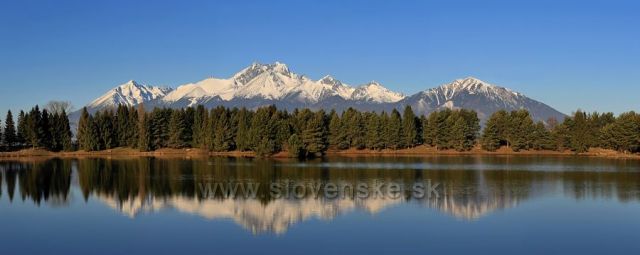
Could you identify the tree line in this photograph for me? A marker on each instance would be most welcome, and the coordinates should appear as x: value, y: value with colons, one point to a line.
x: 307, y: 133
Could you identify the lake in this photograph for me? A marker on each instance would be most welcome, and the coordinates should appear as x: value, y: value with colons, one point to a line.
x: 373, y: 205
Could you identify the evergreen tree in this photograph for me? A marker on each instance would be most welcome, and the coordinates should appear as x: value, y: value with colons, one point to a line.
x: 580, y: 132
x: 395, y: 134
x: 144, y: 135
x: 178, y: 130
x: 200, y: 120
x: 295, y: 147
x: 314, y: 135
x: 626, y: 132
x: 105, y: 130
x: 243, y: 139
x: 44, y: 130
x: 457, y: 140
x: 22, y: 129
x: 541, y: 138
x: 87, y: 140
x: 491, y: 139
x: 262, y: 131
x: 411, y: 127
x: 64, y: 129
x: 10, y: 138
x: 374, y: 135
x: 159, y: 128
x: 222, y: 132
x: 337, y: 132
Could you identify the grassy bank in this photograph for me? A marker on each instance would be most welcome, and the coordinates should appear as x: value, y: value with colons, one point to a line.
x: 414, y: 152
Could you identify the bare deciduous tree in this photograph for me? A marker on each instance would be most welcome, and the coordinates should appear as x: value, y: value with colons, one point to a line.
x: 58, y: 106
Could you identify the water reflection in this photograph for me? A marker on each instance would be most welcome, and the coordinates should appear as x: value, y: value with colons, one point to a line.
x: 469, y: 187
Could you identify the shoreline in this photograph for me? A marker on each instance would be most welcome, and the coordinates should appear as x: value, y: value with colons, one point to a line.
x: 419, y: 151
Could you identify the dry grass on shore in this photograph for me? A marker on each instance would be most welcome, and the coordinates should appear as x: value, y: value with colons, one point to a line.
x: 416, y: 151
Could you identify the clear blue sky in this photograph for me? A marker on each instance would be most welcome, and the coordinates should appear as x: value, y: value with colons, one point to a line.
x: 574, y: 54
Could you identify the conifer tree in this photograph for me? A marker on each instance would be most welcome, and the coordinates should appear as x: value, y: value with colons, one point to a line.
x: 200, y: 120
x: 580, y: 137
x: 21, y: 134
x: 243, y: 139
x: 44, y: 130
x: 177, y: 130
x: 491, y: 139
x: 395, y: 134
x: 9, y: 138
x: 85, y: 134
x: 295, y: 147
x: 375, y: 132
x: 64, y: 129
x: 144, y: 136
x: 411, y: 127
x: 337, y: 132
x: 222, y: 132
x: 314, y: 135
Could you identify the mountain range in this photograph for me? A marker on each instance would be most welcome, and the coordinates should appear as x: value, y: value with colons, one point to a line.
x: 274, y: 84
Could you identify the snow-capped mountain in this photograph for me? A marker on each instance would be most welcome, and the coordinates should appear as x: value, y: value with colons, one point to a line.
x: 272, y: 82
x: 374, y: 92
x: 129, y: 93
x: 484, y: 98
x: 275, y: 84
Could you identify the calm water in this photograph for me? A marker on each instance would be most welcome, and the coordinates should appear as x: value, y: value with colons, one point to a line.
x: 469, y: 205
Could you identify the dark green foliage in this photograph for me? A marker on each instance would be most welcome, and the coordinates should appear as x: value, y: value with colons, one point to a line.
x: 394, y: 133
x: 337, y: 132
x: 375, y: 131
x: 411, y: 128
x: 222, y: 130
x: 21, y: 133
x: 159, y: 128
x: 306, y: 133
x: 9, y: 136
x: 492, y: 138
x: 144, y: 132
x: 178, y: 136
x: 243, y: 120
x: 87, y: 134
x: 295, y: 146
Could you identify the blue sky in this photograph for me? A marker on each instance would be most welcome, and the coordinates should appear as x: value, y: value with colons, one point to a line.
x: 568, y: 54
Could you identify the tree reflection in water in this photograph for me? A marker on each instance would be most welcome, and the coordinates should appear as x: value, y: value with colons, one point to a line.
x: 469, y: 187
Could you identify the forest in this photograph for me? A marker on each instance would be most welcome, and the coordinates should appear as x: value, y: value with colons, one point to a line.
x: 306, y: 133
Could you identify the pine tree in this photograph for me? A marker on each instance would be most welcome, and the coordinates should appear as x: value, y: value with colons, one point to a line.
x: 144, y: 136
x: 159, y: 128
x: 223, y: 134
x: 243, y: 140
x: 33, y: 129
x: 411, y: 127
x: 10, y: 138
x: 22, y: 129
x: 295, y: 146
x: 44, y: 130
x: 337, y: 132
x: 374, y: 135
x: 200, y: 120
x: 65, y: 131
x: 491, y: 139
x: 395, y: 133
x: 580, y: 132
x: 177, y: 130
x: 87, y: 140
x: 457, y: 139
x: 315, y: 134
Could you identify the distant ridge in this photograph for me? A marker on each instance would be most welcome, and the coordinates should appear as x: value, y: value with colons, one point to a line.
x: 274, y: 84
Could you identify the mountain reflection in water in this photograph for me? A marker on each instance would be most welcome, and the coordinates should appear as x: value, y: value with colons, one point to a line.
x: 468, y: 187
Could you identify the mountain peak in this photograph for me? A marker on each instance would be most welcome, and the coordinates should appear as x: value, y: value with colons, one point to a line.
x: 375, y: 92
x: 329, y: 80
